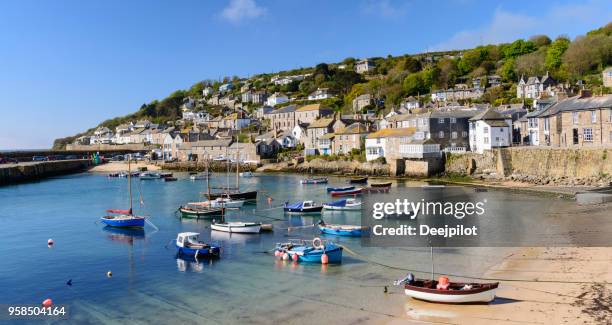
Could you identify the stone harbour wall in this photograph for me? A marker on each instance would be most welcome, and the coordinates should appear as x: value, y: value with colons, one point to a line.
x: 23, y: 172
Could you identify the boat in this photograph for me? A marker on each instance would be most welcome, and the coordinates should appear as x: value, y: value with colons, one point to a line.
x: 385, y: 184
x: 113, y: 175
x: 237, y: 227
x: 376, y: 189
x: 247, y: 174
x: 187, y: 243
x: 303, y: 207
x: 124, y: 218
x: 149, y: 175
x: 125, y: 174
x: 355, y: 191
x: 480, y: 189
x: 432, y: 186
x: 198, y: 177
x: 221, y: 202
x: 309, y: 251
x: 344, y: 204
x: 358, y: 180
x: 314, y: 180
x: 341, y: 230
x: 343, y: 188
x: 197, y: 210
x: 234, y: 193
x: 444, y: 291
x: 170, y: 179
x: 165, y: 175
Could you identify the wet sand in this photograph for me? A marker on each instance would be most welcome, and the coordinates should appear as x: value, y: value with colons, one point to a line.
x: 118, y: 166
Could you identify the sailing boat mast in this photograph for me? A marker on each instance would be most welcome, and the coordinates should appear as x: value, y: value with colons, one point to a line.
x: 208, y: 177
x: 130, y: 180
x: 237, y: 173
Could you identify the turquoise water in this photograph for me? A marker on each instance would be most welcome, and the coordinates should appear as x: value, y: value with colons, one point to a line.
x: 149, y: 284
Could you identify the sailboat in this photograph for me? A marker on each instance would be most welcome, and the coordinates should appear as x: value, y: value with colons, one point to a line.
x: 124, y: 218
x: 235, y: 193
x: 201, y: 209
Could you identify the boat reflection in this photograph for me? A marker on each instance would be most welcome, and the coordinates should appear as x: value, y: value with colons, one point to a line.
x: 186, y: 263
x: 124, y: 235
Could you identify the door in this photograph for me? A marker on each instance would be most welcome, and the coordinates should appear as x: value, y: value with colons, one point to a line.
x: 575, y: 135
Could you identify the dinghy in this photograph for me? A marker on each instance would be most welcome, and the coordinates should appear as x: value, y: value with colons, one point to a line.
x: 343, y: 188
x: 238, y: 227
x: 341, y: 230
x: 197, y: 210
x: 385, y: 184
x: 355, y: 191
x: 432, y: 186
x: 199, y: 177
x: 246, y: 174
x: 187, y: 243
x: 358, y: 180
x: 444, y: 291
x: 316, y: 180
x: 221, y: 202
x: 309, y: 251
x: 170, y: 179
x: 345, y: 204
x: 303, y: 207
x: 149, y: 175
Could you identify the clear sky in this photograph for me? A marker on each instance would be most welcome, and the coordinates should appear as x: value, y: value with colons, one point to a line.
x: 67, y: 65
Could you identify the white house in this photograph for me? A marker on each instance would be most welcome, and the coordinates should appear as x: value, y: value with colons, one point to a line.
x: 490, y: 129
x: 320, y: 93
x: 171, y: 145
x: 207, y: 91
x: 226, y: 87
x: 276, y: 99
x: 299, y: 132
x: 364, y: 66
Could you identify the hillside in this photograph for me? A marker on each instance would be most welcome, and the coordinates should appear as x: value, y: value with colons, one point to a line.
x: 395, y: 77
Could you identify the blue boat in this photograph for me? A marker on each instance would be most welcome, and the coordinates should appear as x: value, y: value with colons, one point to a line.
x: 341, y: 230
x: 303, y: 207
x: 311, y: 251
x: 344, y: 204
x: 336, y: 189
x: 187, y: 243
x: 122, y: 219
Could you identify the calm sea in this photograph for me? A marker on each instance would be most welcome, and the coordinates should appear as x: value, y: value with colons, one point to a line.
x: 247, y: 285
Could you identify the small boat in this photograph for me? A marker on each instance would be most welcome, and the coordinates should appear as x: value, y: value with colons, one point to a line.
x: 443, y: 291
x: 238, y: 227
x: 198, y: 177
x: 149, y: 175
x: 341, y: 230
x: 187, y: 243
x: 247, y: 174
x: 432, y: 186
x: 385, y: 184
x: 355, y: 191
x: 165, y: 175
x: 345, y: 204
x: 223, y: 203
x: 113, y: 175
x: 170, y: 179
x: 358, y: 180
x: 123, y: 219
x: 267, y: 227
x: 343, y: 188
x: 303, y: 207
x: 314, y: 180
x: 125, y: 174
x: 311, y: 251
x: 376, y: 189
x: 196, y: 210
x: 480, y: 190
x: 243, y: 196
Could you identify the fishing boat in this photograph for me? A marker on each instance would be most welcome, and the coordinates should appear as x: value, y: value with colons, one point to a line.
x: 247, y: 174
x: 385, y: 184
x: 358, y: 180
x: 125, y: 174
x: 344, y: 204
x: 165, y: 175
x: 124, y: 218
x: 444, y: 291
x: 234, y: 193
x: 149, y: 175
x: 222, y: 202
x: 113, y: 175
x: 303, y: 207
x: 341, y: 230
x: 432, y: 186
x: 238, y: 227
x: 314, y: 180
x: 187, y: 243
x: 355, y: 191
x: 376, y: 189
x: 170, y: 179
x: 343, y: 188
x: 309, y: 251
x: 197, y: 210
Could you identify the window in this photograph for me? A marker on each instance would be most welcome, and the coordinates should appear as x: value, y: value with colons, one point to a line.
x: 453, y: 120
x: 441, y: 121
x: 587, y: 134
x: 424, y: 122
x: 377, y: 140
x: 454, y: 135
x: 486, y: 140
x: 575, y: 117
x: 441, y: 134
x: 464, y: 134
x: 593, y: 116
x: 486, y: 129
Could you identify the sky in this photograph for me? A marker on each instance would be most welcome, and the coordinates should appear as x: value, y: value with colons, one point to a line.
x: 66, y: 66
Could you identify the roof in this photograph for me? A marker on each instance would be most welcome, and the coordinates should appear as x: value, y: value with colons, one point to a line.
x: 580, y: 104
x: 396, y: 132
x: 489, y: 114
x: 311, y: 107
x: 497, y: 123
x: 422, y: 141
x: 354, y: 128
x: 241, y: 145
x: 212, y: 143
x: 327, y: 136
x: 285, y: 109
x: 321, y: 123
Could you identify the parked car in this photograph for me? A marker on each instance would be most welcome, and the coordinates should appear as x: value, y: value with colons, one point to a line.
x: 8, y: 160
x: 40, y: 158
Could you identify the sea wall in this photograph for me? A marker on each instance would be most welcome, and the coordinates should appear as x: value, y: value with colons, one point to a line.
x: 23, y: 172
x: 194, y: 166
x: 110, y: 147
x: 585, y: 166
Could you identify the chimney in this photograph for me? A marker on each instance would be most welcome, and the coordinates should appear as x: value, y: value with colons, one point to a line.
x: 584, y: 93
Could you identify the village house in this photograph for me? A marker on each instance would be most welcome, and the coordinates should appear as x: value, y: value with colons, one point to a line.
x: 210, y: 149
x: 282, y: 118
x: 267, y: 149
x: 102, y: 135
x: 319, y: 94
x: 138, y: 135
x: 349, y: 137
x: 276, y: 99
x: 300, y: 132
x: 309, y: 113
x: 235, y: 121
x: 606, y: 77
x: 259, y: 97
x: 196, y: 117
x: 260, y: 112
x: 314, y: 131
x: 244, y: 152
x: 365, y: 65
x: 226, y: 87
x: 409, y: 104
x: 362, y: 101
x: 228, y: 101
x: 491, y: 81
x: 171, y: 146
x: 579, y: 121
x: 490, y: 129
x: 213, y: 100
x: 535, y: 87
x: 247, y: 96
x: 142, y: 124
x: 378, y: 144
x: 285, y: 140
x: 460, y: 92
x: 207, y: 91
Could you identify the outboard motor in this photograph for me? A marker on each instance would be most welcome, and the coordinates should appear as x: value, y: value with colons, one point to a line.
x: 408, y: 279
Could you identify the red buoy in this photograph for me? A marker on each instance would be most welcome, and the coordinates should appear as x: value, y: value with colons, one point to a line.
x: 324, y: 259
x: 50, y: 242
x: 277, y: 253
x: 295, y: 257
x: 47, y: 303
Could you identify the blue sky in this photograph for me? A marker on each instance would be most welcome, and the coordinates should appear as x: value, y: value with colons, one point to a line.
x: 67, y: 65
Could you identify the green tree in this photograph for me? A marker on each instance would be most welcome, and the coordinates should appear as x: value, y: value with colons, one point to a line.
x: 414, y: 84
x: 410, y: 64
x: 518, y: 48
x: 506, y: 71
x: 554, y: 53
x: 540, y: 40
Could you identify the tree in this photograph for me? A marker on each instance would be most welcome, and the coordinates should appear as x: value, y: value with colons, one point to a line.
x: 518, y: 48
x: 414, y: 84
x: 471, y: 59
x: 345, y: 79
x: 554, y: 53
x: 531, y: 64
x: 540, y: 40
x: 506, y: 71
x: 322, y: 68
x: 410, y: 64
x: 587, y: 53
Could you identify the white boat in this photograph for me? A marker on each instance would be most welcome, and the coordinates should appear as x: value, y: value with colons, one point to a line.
x: 237, y: 227
x: 446, y: 291
x: 345, y: 204
x: 220, y: 203
x: 198, y: 177
x: 246, y: 174
x: 432, y: 186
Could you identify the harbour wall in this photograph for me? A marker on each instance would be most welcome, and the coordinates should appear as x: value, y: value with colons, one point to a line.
x: 552, y: 166
x: 31, y: 171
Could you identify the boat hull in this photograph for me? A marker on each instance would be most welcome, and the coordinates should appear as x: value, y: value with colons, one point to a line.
x: 136, y: 222
x: 242, y: 196
x: 336, y: 189
x: 484, y: 296
x: 347, y: 193
x: 211, y: 252
x: 243, y: 229
x: 314, y: 181
x: 341, y: 232
x: 305, y: 210
x: 363, y: 180
x: 334, y: 256
x: 203, y: 213
x: 352, y: 207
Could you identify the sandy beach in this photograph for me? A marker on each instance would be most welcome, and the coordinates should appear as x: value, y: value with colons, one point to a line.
x: 118, y: 166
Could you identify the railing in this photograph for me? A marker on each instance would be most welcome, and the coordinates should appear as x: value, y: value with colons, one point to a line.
x: 455, y: 150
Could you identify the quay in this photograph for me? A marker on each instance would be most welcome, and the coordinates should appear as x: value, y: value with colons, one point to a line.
x: 36, y: 170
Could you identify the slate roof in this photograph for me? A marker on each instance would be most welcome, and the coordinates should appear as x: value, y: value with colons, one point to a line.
x: 396, y: 132
x: 488, y: 115
x: 580, y: 104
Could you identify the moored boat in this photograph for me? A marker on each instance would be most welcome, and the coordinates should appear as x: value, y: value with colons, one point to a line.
x: 303, y: 207
x: 195, y: 210
x: 238, y: 227
x: 222, y: 202
x: 433, y: 186
x: 385, y: 184
x: 199, y: 177
x: 342, y: 188
x: 355, y: 191
x: 170, y: 179
x: 149, y: 175
x: 358, y: 180
x: 341, y: 230
x: 165, y: 175
x: 309, y: 251
x: 247, y: 174
x: 376, y: 189
x: 444, y: 291
x: 124, y: 218
x: 187, y: 243
x: 314, y: 180
x: 248, y: 196
x: 344, y: 204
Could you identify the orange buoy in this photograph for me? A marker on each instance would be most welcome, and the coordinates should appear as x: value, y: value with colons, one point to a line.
x: 324, y: 259
x: 47, y: 303
x: 285, y: 256
x: 295, y: 257
x: 50, y: 242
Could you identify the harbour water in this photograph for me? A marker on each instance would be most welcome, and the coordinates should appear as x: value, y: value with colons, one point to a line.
x: 247, y: 285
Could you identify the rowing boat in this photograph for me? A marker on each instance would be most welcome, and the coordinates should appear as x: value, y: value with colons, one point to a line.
x: 238, y: 227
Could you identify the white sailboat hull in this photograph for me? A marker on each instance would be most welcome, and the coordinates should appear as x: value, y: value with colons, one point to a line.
x: 485, y: 296
x: 346, y: 207
x: 227, y: 204
x: 237, y: 228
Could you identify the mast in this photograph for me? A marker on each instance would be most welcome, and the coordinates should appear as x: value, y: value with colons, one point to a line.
x: 208, y: 177
x: 237, y: 173
x: 130, y: 180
